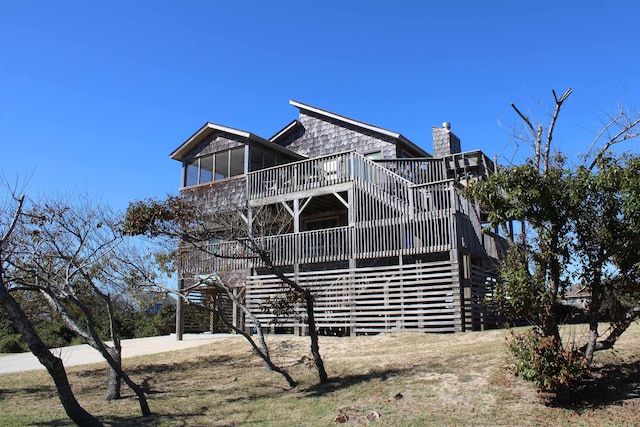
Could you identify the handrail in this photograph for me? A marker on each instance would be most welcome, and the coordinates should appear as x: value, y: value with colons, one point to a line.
x: 416, y: 170
x: 322, y: 171
x: 383, y: 238
x: 380, y: 182
x: 299, y: 176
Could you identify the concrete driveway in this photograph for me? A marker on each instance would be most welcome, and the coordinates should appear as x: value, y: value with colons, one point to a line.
x: 83, y: 354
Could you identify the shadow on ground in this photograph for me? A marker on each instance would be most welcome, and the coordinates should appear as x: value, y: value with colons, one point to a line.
x: 607, y: 385
x: 152, y: 420
x: 335, y: 384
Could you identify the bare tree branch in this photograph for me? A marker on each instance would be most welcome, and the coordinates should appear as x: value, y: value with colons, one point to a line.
x: 552, y: 125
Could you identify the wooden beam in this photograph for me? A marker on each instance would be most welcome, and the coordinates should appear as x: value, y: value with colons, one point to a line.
x: 329, y: 189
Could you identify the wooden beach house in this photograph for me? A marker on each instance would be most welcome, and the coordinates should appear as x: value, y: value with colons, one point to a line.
x: 379, y: 228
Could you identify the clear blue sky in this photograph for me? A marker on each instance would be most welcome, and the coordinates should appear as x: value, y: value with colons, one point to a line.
x: 94, y: 95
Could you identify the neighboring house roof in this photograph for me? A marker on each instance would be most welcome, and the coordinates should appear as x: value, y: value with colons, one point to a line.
x: 145, y: 298
x: 209, y: 128
x: 577, y: 291
x: 347, y: 120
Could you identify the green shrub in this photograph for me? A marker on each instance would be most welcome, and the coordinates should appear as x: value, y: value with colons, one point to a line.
x: 12, y: 344
x: 54, y: 333
x: 153, y: 324
x: 164, y: 321
x: 125, y: 324
x: 544, y: 361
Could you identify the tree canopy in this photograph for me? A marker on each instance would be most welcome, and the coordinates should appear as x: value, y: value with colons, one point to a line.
x: 577, y: 226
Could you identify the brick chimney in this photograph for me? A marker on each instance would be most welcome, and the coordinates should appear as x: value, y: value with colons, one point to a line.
x: 444, y: 141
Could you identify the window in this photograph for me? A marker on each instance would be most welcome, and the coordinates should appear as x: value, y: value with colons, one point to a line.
x: 263, y: 158
x: 191, y: 172
x: 374, y: 155
x: 222, y: 165
x: 236, y: 162
x: 269, y: 159
x: 214, y: 167
x: 256, y: 158
x: 206, y: 169
x: 404, y: 154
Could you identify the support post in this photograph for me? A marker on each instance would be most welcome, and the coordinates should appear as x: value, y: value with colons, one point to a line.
x: 352, y: 258
x: 235, y: 314
x: 179, y: 312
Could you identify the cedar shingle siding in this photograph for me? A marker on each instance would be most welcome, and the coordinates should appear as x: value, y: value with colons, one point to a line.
x: 323, y: 137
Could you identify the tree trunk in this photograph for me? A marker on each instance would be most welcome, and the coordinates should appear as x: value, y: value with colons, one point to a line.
x: 260, y: 348
x: 311, y: 318
x: 53, y: 364
x: 97, y: 343
x: 593, y: 339
x: 594, y: 309
x: 92, y: 338
x: 313, y: 335
x: 114, y: 381
x: 117, y: 367
x: 617, y: 329
x: 262, y: 351
x: 550, y: 322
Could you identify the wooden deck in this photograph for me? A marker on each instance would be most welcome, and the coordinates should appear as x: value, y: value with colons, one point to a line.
x: 396, y: 209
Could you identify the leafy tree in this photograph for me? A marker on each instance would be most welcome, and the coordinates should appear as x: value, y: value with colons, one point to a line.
x: 577, y: 225
x: 607, y: 243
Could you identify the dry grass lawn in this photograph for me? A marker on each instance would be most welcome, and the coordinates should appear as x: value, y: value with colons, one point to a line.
x: 408, y: 379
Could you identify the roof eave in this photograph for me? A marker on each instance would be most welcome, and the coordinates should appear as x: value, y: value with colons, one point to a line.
x: 344, y: 119
x: 184, y: 148
x: 284, y: 131
x: 413, y: 146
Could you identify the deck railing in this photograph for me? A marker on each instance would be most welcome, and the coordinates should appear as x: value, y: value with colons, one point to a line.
x: 380, y: 183
x: 325, y: 171
x: 331, y: 244
x: 471, y: 233
x: 372, y: 239
x: 495, y: 245
x: 469, y: 164
x: 215, y: 257
x: 395, y: 215
x: 432, y: 197
x: 300, y: 176
x: 418, y: 171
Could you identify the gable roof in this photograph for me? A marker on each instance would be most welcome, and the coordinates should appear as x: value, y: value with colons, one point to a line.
x: 209, y: 128
x: 288, y: 129
x: 356, y: 123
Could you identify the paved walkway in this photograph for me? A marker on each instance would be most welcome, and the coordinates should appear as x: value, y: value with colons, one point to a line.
x: 83, y: 354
